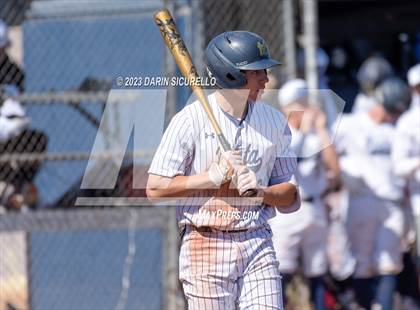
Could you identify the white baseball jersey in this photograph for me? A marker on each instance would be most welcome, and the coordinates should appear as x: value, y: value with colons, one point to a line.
x: 406, y: 153
x: 189, y: 146
x: 415, y: 100
x: 375, y: 220
x: 365, y: 157
x: 363, y: 103
x: 304, y: 231
x: 310, y: 173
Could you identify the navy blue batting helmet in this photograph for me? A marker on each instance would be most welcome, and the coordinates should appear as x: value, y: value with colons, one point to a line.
x: 394, y: 94
x: 231, y: 52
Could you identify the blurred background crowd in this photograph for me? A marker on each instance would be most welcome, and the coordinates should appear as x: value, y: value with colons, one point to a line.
x: 351, y: 245
x: 354, y: 237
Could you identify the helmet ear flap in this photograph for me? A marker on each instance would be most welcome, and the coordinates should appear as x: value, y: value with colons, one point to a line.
x: 236, y: 79
x: 394, y: 95
x: 226, y: 74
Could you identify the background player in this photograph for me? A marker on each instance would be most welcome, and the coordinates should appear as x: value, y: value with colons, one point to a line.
x: 305, y: 231
x: 371, y: 73
x: 375, y: 218
x: 406, y: 163
x: 413, y: 77
x: 227, y: 256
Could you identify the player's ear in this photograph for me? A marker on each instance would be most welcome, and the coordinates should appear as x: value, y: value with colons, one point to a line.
x: 244, y: 73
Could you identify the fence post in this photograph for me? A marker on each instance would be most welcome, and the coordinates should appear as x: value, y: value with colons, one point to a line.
x: 171, y: 259
x: 310, y: 28
x: 289, y: 38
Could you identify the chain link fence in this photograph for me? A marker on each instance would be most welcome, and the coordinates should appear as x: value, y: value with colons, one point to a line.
x: 264, y: 17
x: 119, y: 258
x: 64, y: 120
x: 60, y: 59
x: 60, y: 66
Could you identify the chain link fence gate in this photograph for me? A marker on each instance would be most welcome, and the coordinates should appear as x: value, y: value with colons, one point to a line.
x: 64, y: 57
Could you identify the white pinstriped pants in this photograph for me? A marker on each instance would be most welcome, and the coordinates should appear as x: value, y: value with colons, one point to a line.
x: 230, y: 270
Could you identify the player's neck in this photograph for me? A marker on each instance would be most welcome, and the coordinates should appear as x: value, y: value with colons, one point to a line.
x: 378, y: 115
x: 232, y: 101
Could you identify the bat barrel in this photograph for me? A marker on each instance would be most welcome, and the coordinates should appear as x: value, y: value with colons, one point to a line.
x: 173, y: 40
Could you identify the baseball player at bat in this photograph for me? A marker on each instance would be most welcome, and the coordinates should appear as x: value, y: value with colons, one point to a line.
x: 227, y: 258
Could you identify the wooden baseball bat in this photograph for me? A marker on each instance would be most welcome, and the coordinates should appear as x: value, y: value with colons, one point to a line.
x: 175, y: 43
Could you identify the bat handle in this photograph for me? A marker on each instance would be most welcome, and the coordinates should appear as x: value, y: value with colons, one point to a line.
x: 252, y: 192
x: 223, y: 142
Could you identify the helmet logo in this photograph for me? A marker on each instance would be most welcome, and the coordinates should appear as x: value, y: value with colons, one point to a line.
x: 262, y: 48
x: 243, y: 63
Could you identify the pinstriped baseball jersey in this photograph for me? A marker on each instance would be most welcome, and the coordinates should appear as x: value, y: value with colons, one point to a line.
x: 189, y: 146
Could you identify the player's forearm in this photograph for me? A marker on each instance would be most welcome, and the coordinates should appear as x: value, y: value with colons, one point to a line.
x: 330, y: 161
x: 328, y: 154
x: 180, y: 186
x: 280, y: 195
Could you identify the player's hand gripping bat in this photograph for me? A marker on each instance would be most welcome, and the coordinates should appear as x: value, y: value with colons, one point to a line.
x: 173, y: 40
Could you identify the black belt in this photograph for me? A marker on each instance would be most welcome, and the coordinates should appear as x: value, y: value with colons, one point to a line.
x: 208, y: 229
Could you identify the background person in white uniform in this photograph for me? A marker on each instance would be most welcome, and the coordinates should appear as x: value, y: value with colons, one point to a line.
x: 375, y: 220
x: 406, y: 150
x: 305, y: 231
x: 371, y: 73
